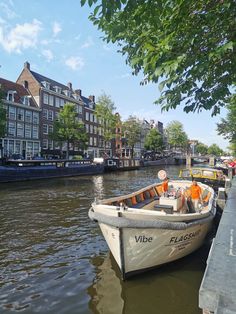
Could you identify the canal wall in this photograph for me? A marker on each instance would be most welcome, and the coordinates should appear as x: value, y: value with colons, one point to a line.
x: 218, y: 288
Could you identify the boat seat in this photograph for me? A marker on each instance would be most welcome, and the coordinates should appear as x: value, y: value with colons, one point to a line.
x: 166, y: 208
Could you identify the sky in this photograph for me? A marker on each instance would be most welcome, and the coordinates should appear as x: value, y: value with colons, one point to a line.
x: 60, y: 42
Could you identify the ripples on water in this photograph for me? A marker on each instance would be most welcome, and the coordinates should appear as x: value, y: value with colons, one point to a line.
x: 53, y: 259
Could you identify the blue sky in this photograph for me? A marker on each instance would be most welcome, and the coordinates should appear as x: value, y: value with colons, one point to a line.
x: 58, y: 40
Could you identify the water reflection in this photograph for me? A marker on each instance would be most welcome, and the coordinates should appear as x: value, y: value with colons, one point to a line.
x: 170, y: 289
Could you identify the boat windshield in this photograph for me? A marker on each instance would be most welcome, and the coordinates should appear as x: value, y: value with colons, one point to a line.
x: 196, y: 172
x: 208, y: 173
x: 185, y: 173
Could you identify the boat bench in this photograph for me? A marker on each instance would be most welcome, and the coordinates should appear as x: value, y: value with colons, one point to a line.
x: 145, y: 202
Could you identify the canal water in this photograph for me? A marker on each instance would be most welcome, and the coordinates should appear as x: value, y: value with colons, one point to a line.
x: 53, y: 259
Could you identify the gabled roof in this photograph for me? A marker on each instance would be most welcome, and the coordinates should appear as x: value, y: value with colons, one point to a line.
x: 20, y: 90
x: 40, y: 78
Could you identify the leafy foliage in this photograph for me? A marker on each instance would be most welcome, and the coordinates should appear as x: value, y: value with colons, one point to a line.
x: 187, y: 46
x: 107, y: 119
x: 154, y: 141
x: 227, y: 126
x: 3, y: 117
x: 201, y: 148
x: 215, y: 150
x: 68, y: 129
x: 176, y: 135
x: 132, y: 132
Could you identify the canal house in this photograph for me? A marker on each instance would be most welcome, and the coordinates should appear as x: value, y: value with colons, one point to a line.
x: 22, y: 121
x: 51, y: 96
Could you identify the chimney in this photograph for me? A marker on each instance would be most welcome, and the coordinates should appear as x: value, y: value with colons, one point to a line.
x: 27, y: 65
x: 78, y: 92
x: 92, y: 98
x: 69, y: 85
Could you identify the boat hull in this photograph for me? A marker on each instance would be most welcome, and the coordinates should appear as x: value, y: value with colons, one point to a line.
x: 137, y: 250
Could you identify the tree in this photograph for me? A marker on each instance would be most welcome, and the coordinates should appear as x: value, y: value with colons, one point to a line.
x: 187, y: 46
x: 132, y: 132
x: 201, y: 148
x: 3, y: 116
x: 107, y: 119
x: 214, y: 149
x: 154, y: 141
x: 227, y: 126
x: 68, y: 129
x: 176, y: 135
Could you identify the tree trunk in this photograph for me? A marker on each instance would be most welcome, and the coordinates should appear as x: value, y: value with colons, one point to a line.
x: 67, y: 150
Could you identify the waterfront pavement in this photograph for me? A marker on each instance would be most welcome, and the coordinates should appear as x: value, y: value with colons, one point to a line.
x: 218, y: 288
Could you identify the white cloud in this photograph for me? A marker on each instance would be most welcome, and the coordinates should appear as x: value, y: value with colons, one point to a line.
x: 88, y: 43
x: 21, y: 37
x: 7, y: 10
x: 75, y: 63
x: 56, y: 28
x: 48, y: 55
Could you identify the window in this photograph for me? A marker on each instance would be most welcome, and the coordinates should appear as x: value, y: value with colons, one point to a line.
x: 51, y: 100
x: 28, y: 116
x: 50, y: 129
x: 35, y: 117
x: 45, y: 98
x: 29, y: 148
x: 36, y: 148
x: 25, y: 100
x: 50, y: 144
x: 10, y: 95
x: 46, y: 84
x: 91, y: 129
x: 35, y: 131
x: 62, y: 102
x: 20, y: 114
x: 50, y: 115
x: 45, y: 129
x: 56, y: 113
x: 12, y: 113
x: 91, y: 141
x: 95, y: 119
x: 17, y: 147
x: 67, y: 93
x: 91, y: 117
x: 11, y: 146
x: 87, y: 116
x: 80, y: 109
x: 20, y: 129
x: 57, y: 102
x: 12, y: 129
x: 87, y: 128
x: 45, y: 143
x: 45, y: 113
x: 28, y: 130
x: 95, y: 141
x: 57, y: 89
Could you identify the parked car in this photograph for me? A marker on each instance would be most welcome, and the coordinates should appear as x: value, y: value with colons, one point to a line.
x: 17, y: 157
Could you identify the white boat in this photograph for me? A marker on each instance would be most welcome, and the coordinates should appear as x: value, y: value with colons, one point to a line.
x: 144, y: 229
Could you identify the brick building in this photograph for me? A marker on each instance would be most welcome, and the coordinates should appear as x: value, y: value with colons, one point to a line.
x: 22, y: 124
x: 51, y: 96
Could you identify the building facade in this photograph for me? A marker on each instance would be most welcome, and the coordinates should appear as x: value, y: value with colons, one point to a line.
x: 22, y: 122
x: 51, y: 96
